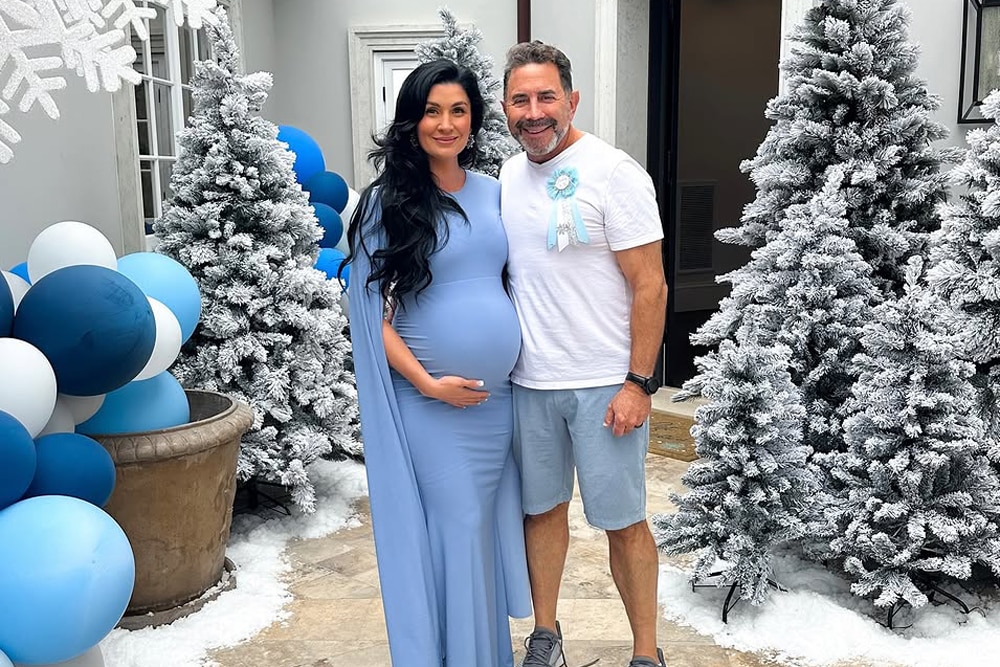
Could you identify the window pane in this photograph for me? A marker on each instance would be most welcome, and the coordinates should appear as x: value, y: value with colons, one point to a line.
x: 140, y: 54
x: 166, y: 166
x: 141, y: 103
x: 160, y: 67
x: 146, y: 178
x: 204, y: 46
x: 164, y: 119
x: 142, y: 118
x: 188, y: 104
x: 989, y: 75
x: 187, y: 54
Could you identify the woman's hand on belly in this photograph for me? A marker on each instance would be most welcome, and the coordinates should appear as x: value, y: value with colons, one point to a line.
x: 456, y: 391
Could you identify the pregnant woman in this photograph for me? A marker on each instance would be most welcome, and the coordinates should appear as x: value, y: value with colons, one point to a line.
x: 435, y: 338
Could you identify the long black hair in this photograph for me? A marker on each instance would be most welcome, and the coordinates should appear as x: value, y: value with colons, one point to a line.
x: 412, y: 205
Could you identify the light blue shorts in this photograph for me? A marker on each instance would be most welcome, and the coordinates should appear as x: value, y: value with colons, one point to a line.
x: 559, y: 430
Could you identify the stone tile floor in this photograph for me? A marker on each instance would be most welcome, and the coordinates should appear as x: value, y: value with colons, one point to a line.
x: 336, y: 616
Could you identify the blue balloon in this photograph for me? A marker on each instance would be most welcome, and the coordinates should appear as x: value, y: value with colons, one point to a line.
x: 345, y: 275
x: 328, y: 188
x: 333, y: 226
x: 66, y: 576
x: 142, y: 405
x: 17, y: 460
x: 7, y: 306
x: 70, y: 464
x: 94, y: 325
x: 308, y: 156
x: 21, y: 270
x: 328, y: 261
x: 167, y: 281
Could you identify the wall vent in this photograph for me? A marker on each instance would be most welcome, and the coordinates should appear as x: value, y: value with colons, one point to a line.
x: 695, y: 226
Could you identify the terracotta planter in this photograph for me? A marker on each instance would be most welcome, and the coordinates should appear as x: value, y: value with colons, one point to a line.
x: 173, y: 498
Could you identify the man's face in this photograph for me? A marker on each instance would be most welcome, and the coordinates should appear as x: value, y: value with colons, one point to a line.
x: 539, y: 112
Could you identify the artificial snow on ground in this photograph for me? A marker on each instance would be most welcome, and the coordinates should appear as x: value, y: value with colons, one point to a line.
x: 257, y: 547
x: 817, y: 622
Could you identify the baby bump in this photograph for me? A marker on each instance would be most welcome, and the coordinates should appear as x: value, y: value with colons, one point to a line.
x: 467, y: 328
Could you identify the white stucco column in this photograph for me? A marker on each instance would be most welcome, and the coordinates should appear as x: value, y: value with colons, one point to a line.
x: 792, y: 13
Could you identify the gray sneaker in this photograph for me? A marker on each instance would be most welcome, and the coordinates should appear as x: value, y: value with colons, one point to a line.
x: 646, y: 662
x: 544, y: 649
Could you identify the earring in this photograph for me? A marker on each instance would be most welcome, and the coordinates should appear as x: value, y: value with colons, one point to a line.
x: 471, y: 143
x: 413, y: 141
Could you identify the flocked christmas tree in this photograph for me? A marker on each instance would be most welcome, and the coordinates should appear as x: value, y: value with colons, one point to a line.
x: 965, y: 260
x: 272, y: 330
x: 852, y: 99
x: 810, y: 289
x: 493, y: 143
x: 923, y: 498
x: 749, y: 487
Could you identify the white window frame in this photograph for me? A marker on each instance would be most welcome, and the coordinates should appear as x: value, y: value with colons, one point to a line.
x: 132, y: 218
x: 387, y: 64
x: 370, y: 48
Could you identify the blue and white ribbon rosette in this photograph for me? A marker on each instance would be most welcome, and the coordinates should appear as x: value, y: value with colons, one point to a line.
x: 565, y: 224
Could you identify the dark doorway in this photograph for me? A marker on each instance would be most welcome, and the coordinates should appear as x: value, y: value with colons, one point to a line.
x: 713, y: 67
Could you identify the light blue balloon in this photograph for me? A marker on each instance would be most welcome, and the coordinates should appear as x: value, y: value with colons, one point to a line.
x: 92, y: 658
x: 139, y: 406
x: 66, y: 577
x: 167, y: 281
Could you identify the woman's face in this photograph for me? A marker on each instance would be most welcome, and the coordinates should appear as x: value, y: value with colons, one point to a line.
x: 444, y: 130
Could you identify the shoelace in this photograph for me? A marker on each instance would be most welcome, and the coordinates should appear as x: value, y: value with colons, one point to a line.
x: 538, y: 648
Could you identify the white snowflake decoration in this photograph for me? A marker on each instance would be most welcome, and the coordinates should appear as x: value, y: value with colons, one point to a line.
x: 42, y: 37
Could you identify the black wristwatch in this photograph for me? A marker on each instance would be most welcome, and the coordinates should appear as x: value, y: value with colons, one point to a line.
x: 648, y: 385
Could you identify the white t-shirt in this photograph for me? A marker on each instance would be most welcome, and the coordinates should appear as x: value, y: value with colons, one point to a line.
x: 574, y: 303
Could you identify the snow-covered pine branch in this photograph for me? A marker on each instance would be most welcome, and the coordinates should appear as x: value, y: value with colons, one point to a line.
x: 494, y: 143
x: 272, y: 332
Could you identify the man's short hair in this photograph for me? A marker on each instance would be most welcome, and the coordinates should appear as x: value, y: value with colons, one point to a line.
x: 538, y: 53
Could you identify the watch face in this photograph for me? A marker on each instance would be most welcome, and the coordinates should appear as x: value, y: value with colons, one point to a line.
x: 652, y: 384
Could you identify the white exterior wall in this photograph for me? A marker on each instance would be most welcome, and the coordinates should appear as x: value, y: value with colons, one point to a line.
x: 67, y: 169
x: 937, y: 27
x: 312, y: 75
x: 572, y: 26
x: 62, y: 169
x: 259, y: 49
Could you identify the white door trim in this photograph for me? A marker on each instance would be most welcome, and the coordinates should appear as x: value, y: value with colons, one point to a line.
x: 365, y: 43
x: 606, y: 71
x: 792, y: 13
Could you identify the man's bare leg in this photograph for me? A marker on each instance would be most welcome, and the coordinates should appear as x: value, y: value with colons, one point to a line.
x: 546, y: 538
x: 635, y: 568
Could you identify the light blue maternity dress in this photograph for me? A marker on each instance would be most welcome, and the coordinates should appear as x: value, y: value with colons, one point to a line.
x: 444, y: 489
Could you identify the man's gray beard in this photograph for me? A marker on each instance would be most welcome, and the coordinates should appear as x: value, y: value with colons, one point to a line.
x: 557, y: 136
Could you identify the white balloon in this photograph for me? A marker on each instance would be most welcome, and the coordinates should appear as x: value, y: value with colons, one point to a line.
x: 27, y: 384
x: 68, y: 243
x: 61, y: 420
x: 18, y: 286
x: 5, y: 661
x: 168, y: 341
x: 92, y: 658
x: 81, y: 407
x: 352, y: 203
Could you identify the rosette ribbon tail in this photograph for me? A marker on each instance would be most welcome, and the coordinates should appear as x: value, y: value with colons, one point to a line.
x: 553, y: 227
